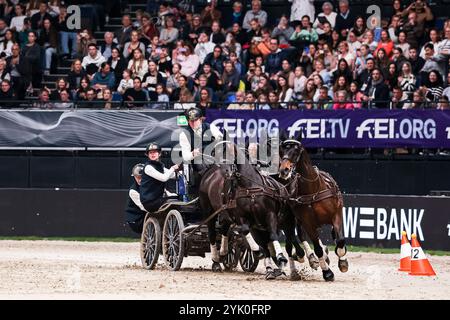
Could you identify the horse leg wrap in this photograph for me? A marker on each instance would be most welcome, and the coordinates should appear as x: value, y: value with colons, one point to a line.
x: 323, y: 264
x: 214, y: 253
x: 268, y: 263
x: 224, y: 246
x: 251, y: 242
x: 307, y: 248
x: 277, y: 247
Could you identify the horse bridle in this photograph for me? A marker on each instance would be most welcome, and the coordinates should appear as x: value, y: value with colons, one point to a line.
x: 294, y: 162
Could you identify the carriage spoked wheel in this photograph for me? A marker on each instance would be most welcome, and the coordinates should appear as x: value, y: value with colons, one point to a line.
x: 150, y: 243
x: 231, y: 260
x: 248, y: 260
x: 173, y: 240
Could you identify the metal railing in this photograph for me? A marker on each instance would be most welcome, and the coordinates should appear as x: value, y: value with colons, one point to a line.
x: 154, y: 105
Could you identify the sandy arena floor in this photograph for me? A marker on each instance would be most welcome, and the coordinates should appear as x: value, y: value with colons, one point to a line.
x: 102, y: 270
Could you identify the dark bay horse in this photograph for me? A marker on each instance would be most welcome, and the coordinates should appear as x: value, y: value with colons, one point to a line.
x: 257, y: 203
x: 315, y: 200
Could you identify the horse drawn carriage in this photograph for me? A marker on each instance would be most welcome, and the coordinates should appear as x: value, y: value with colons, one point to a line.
x: 177, y: 231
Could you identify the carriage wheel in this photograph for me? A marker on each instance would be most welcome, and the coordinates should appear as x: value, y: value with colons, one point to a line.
x: 231, y: 260
x: 173, y: 240
x: 247, y: 258
x: 150, y: 243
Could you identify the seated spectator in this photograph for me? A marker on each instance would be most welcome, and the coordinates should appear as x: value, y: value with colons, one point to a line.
x: 369, y: 39
x: 217, y: 37
x: 185, y: 101
x: 230, y: 79
x: 344, y: 53
x: 132, y: 45
x: 204, y: 46
x: 393, y: 28
x: 326, y: 16
x: 202, y: 83
x: 107, y: 97
x: 210, y: 13
x: 81, y: 92
x: 138, y: 65
x: 37, y: 19
x: 254, y: 78
x: 231, y: 46
x: 398, y: 58
x: 355, y: 95
x: 90, y: 101
x: 418, y: 101
x: 342, y: 101
x: 162, y: 97
x: 239, y: 100
x: 61, y: 84
x: 255, y: 13
x: 4, y: 74
x: 343, y: 70
x: 104, y: 78
x: 205, y: 101
x: 407, y: 80
x: 148, y: 29
x: 392, y: 76
x: 192, y: 33
x: 359, y: 28
x: 262, y: 102
x: 353, y: 44
x: 164, y: 63
x: 118, y: 65
x: 345, y: 20
x: 399, y: 98
x: 432, y: 62
x: 240, y: 35
x: 283, y: 91
x: 16, y: 23
x: 6, y: 93
x: 283, y: 31
x: 64, y: 102
x: 151, y: 79
x: 299, y: 82
x: 402, y: 44
x: 84, y: 40
x: 341, y: 84
x: 446, y: 91
x: 7, y: 43
x: 416, y: 62
x: 433, y: 86
x: 236, y: 16
x: 386, y: 43
x: 377, y: 93
x: 382, y: 61
x: 444, y: 105
x: 136, y: 96
x: 169, y: 34
x: 273, y: 61
x: 154, y: 49
x: 172, y: 79
x: 216, y: 60
x: 273, y: 100
x: 413, y: 29
x: 44, y: 100
x: 361, y: 59
x: 124, y: 33
x: 92, y: 62
x: 109, y: 44
x: 23, y: 35
x: 48, y: 40
x: 189, y: 61
x: 309, y: 92
x: 126, y: 82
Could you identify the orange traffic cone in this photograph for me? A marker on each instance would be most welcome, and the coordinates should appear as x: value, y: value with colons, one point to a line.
x: 420, y: 266
x: 405, y: 254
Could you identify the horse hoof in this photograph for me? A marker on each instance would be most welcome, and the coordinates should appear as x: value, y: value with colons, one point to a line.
x: 294, y: 276
x: 270, y: 275
x: 328, y: 275
x: 343, y: 265
x: 313, y: 261
x: 258, y: 254
x: 216, y: 267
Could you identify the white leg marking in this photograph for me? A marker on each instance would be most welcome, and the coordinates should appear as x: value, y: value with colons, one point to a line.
x: 323, y: 264
x: 224, y: 246
x: 214, y: 253
x: 307, y: 248
x: 340, y: 252
x: 277, y: 247
x: 253, y: 245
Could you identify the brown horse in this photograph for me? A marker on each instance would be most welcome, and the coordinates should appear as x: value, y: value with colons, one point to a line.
x: 315, y: 200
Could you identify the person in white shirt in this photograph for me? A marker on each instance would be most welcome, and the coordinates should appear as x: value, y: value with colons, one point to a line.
x: 17, y: 21
x: 327, y: 14
x: 257, y: 13
x: 204, y: 46
x: 301, y: 8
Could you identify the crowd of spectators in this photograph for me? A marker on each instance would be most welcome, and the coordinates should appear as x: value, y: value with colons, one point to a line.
x: 331, y: 59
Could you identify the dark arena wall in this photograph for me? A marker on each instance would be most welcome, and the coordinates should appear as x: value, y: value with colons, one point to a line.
x: 369, y: 220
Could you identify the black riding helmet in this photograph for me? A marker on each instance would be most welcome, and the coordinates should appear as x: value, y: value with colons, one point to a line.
x: 152, y: 146
x: 137, y: 170
x: 193, y: 113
